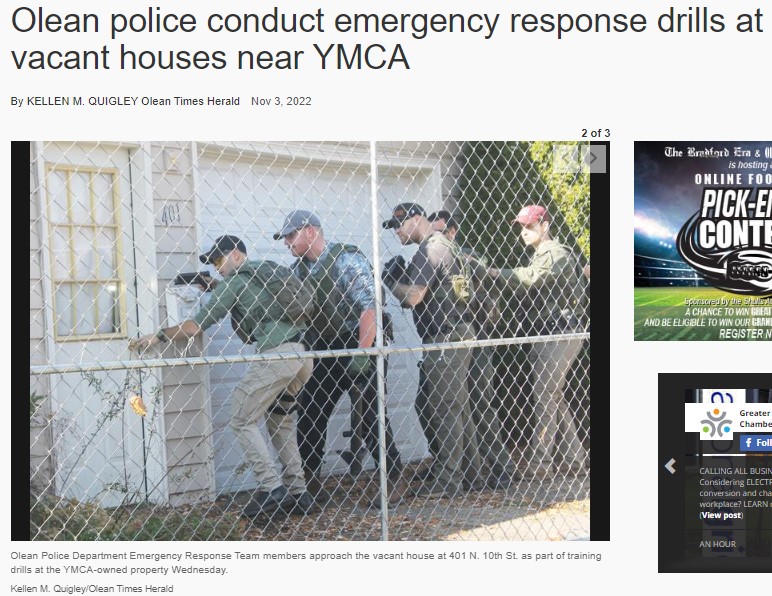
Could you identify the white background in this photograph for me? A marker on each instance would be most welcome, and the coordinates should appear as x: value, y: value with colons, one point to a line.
x: 646, y: 86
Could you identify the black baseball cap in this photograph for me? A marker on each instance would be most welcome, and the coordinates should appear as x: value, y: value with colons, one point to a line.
x: 450, y: 221
x: 402, y: 212
x: 222, y: 246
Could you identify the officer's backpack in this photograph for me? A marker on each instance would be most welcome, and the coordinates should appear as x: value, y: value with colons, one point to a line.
x: 295, y: 297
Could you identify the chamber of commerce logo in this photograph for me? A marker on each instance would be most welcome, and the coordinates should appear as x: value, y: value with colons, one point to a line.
x: 729, y: 240
x: 716, y: 424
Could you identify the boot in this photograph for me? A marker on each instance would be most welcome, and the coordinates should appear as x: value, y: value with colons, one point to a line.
x: 423, y: 473
x: 268, y: 502
x: 397, y: 490
x: 304, y: 504
x: 316, y: 489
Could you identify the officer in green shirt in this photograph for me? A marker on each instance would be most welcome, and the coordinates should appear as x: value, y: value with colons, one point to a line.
x: 267, y: 386
x: 552, y: 284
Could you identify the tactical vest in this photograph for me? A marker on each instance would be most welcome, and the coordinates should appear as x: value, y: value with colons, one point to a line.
x: 334, y: 316
x: 561, y: 305
x: 457, y: 288
x: 578, y: 301
x: 484, y: 305
x: 290, y: 302
x: 569, y: 296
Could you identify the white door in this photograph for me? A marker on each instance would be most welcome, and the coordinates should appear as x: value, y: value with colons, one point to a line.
x: 104, y: 450
x: 249, y: 196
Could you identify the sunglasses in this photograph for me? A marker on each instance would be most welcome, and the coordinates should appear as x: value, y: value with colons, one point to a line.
x: 218, y: 261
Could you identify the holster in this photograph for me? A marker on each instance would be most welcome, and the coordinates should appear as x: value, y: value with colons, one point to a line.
x: 285, y: 404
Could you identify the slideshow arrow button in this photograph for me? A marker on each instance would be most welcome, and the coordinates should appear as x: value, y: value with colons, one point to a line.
x: 669, y: 466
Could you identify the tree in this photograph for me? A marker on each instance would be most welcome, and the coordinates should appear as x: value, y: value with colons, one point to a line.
x: 570, y: 190
x: 499, y: 177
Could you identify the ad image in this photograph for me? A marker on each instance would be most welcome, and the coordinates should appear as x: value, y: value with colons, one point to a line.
x: 715, y: 473
x: 703, y: 241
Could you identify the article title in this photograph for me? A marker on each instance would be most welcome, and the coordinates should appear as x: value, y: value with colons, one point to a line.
x: 348, y: 50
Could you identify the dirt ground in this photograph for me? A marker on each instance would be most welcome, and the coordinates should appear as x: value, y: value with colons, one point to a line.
x: 544, y: 510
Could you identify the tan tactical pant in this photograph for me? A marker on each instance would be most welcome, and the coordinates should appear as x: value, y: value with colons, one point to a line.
x: 252, y: 398
x: 550, y: 363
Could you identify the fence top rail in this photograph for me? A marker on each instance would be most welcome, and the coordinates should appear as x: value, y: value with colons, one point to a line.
x: 48, y: 369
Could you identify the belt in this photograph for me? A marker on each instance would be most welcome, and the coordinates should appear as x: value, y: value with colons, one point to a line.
x: 289, y: 401
x: 447, y: 327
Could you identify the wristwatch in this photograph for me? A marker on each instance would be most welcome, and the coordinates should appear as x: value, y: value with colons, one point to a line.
x: 162, y: 336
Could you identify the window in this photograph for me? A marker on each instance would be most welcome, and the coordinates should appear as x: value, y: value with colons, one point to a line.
x: 84, y: 239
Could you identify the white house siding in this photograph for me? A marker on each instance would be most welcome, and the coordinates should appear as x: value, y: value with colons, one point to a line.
x: 187, y: 419
x: 41, y: 441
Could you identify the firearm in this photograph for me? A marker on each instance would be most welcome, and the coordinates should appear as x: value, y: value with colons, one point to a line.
x: 195, y: 278
x: 394, y: 271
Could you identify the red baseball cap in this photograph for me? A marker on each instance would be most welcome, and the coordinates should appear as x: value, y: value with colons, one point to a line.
x: 531, y: 214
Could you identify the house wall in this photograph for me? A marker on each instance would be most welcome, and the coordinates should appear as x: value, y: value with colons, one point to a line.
x: 41, y: 439
x: 187, y: 413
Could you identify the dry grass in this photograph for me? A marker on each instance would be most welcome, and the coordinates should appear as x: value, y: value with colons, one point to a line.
x: 552, y: 510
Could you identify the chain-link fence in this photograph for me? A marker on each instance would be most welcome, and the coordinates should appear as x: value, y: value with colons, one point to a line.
x: 372, y: 341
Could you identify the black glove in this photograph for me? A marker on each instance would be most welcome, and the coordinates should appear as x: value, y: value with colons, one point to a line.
x: 394, y: 270
x: 360, y: 368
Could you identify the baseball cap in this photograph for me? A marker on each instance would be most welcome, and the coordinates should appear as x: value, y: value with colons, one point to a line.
x: 530, y: 214
x: 222, y: 246
x: 402, y: 212
x: 296, y: 220
x: 450, y: 221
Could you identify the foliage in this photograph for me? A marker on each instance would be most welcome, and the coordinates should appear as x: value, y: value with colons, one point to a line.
x: 499, y: 177
x: 570, y: 191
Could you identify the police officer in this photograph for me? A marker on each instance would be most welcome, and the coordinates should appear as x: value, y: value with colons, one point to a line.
x: 436, y: 286
x: 552, y: 282
x: 345, y: 292
x: 485, y: 420
x: 256, y: 320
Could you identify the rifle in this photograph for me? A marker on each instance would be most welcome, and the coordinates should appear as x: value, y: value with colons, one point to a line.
x: 195, y: 278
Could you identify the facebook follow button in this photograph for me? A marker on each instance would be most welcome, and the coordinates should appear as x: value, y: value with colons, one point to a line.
x: 756, y: 443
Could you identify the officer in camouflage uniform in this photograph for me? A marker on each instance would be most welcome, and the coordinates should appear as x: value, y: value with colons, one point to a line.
x: 436, y: 286
x: 485, y: 420
x: 553, y: 284
x: 343, y: 282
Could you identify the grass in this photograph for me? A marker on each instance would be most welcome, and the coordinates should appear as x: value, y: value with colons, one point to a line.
x: 52, y: 518
x: 668, y: 304
x: 527, y: 509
